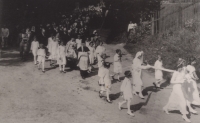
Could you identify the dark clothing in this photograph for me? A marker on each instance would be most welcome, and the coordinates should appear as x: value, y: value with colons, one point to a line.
x: 83, y: 73
x: 43, y: 39
x: 83, y: 49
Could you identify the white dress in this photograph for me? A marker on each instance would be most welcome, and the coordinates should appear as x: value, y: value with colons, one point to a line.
x: 117, y: 64
x: 91, y: 55
x: 158, y: 73
x: 78, y: 42
x: 41, y: 55
x: 53, y: 50
x: 177, y: 100
x: 106, y: 78
x: 34, y: 47
x: 196, y: 98
x: 126, y: 88
x: 136, y: 74
x: 100, y: 66
x: 61, y: 53
x: 49, y: 44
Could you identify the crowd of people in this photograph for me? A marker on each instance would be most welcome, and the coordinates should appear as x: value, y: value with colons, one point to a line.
x: 69, y: 42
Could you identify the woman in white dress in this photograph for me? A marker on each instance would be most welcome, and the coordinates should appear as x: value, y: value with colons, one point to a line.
x: 53, y: 50
x: 61, y: 52
x: 136, y: 73
x: 100, y: 50
x: 193, y: 78
x: 117, y: 65
x: 158, y: 72
x: 177, y: 98
x: 79, y: 41
x: 126, y: 91
x: 34, y: 49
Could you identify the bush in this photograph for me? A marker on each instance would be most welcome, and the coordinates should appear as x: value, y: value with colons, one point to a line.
x: 171, y: 45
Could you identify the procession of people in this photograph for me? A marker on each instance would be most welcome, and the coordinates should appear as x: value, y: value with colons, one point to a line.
x: 70, y: 43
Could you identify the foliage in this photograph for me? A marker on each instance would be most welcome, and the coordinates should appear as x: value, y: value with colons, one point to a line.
x: 171, y: 45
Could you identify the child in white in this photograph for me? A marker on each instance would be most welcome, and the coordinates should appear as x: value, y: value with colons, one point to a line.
x: 193, y: 78
x: 117, y: 64
x: 106, y: 81
x: 101, y: 61
x: 61, y: 53
x: 126, y: 91
x: 158, y: 73
x: 41, y: 57
x: 91, y: 55
x: 34, y: 49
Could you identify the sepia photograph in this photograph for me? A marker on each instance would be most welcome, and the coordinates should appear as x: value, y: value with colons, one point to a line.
x: 99, y: 61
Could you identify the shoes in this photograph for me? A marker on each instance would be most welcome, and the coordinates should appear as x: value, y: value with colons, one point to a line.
x: 43, y: 71
x: 141, y: 96
x: 193, y: 111
x: 130, y: 113
x: 165, y: 110
x: 119, y: 106
x: 108, y: 100
x: 186, y: 119
x: 100, y: 94
x: 64, y: 71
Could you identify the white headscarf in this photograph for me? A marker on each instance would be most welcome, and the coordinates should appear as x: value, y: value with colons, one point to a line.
x: 136, y: 59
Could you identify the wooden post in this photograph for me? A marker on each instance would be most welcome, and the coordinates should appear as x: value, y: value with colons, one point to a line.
x: 152, y: 24
x: 180, y: 15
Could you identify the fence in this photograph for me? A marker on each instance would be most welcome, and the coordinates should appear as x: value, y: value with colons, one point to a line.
x: 175, y: 15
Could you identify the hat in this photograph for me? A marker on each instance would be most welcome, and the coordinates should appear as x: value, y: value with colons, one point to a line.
x: 127, y: 73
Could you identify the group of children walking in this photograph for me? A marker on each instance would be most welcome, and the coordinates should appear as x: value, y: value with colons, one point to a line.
x: 184, y: 93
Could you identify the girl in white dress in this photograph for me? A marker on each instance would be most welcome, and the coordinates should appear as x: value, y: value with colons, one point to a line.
x: 126, y: 92
x: 117, y: 64
x: 61, y: 52
x: 41, y: 57
x: 53, y: 50
x: 34, y: 49
x: 158, y: 73
x: 136, y: 73
x: 106, y: 82
x: 101, y: 61
x: 193, y: 78
x: 177, y: 98
x: 91, y: 55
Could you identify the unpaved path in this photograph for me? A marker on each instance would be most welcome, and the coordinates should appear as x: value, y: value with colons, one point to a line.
x: 30, y: 96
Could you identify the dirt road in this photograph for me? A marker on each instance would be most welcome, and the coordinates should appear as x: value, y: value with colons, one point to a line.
x: 30, y: 96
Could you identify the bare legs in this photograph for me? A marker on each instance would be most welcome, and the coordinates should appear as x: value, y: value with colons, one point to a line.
x: 62, y: 68
x: 128, y: 106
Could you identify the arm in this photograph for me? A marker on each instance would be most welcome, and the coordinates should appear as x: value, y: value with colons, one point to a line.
x: 31, y: 46
x: 195, y: 75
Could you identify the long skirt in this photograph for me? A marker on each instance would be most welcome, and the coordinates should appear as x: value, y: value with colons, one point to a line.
x: 195, y: 94
x: 137, y: 81
x: 177, y: 100
x: 83, y: 73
